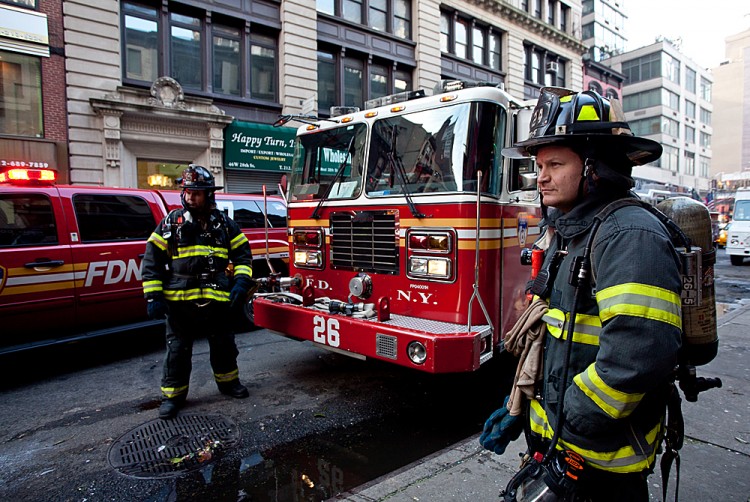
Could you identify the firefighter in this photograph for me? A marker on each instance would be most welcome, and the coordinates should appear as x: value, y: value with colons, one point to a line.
x: 185, y: 279
x: 627, y: 329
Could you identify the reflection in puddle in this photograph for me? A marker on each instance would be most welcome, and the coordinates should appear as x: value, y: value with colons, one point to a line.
x: 321, y: 466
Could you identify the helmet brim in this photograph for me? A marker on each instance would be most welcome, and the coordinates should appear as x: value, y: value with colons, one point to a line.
x: 639, y: 151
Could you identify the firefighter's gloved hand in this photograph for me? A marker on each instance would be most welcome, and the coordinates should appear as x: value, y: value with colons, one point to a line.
x: 241, y: 288
x: 156, y: 307
x: 500, y: 429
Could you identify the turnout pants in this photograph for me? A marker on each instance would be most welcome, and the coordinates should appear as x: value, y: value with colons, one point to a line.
x: 186, y: 322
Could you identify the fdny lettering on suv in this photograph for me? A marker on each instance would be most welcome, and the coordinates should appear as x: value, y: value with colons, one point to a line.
x: 113, y: 271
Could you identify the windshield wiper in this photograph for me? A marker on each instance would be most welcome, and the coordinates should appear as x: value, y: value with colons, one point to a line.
x: 349, y: 154
x: 397, y: 165
x: 305, y: 119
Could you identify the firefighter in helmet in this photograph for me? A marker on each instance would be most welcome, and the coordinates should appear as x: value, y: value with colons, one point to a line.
x: 185, y: 279
x: 627, y: 329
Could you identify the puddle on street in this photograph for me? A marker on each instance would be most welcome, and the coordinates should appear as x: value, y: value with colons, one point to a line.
x: 321, y: 466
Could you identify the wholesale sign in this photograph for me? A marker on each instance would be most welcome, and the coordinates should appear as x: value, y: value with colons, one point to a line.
x: 258, y: 147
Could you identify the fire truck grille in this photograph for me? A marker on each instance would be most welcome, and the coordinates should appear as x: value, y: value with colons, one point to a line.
x: 385, y: 346
x: 170, y: 448
x: 365, y: 241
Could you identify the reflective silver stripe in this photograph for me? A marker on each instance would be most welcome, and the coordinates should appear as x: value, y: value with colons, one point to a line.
x: 613, y: 402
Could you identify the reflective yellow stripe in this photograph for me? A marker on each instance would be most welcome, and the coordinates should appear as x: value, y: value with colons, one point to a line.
x: 622, y: 460
x: 190, y: 251
x: 158, y: 241
x: 172, y: 392
x: 152, y: 286
x: 227, y: 377
x: 238, y: 241
x: 640, y: 300
x: 615, y: 403
x: 195, y: 294
x: 588, y: 112
x: 243, y: 270
x: 587, y: 328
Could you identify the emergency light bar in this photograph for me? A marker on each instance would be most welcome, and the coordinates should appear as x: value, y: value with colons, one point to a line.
x: 399, y: 97
x: 22, y: 175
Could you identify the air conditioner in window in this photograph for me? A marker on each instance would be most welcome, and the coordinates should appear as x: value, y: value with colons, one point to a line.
x: 553, y: 67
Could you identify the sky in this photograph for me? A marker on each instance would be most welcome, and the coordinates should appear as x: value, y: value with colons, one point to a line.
x: 702, y: 28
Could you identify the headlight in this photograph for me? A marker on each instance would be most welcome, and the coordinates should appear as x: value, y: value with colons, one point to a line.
x: 308, y: 258
x: 437, y: 268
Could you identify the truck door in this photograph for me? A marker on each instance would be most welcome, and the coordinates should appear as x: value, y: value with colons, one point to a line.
x: 112, y: 229
x: 37, y: 273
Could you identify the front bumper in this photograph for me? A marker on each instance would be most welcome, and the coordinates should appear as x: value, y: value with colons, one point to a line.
x: 450, y: 348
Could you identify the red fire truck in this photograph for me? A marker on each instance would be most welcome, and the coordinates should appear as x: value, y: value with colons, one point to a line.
x: 405, y: 230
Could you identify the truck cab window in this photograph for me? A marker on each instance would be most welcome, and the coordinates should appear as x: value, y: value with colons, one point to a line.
x: 104, y: 218
x: 27, y: 220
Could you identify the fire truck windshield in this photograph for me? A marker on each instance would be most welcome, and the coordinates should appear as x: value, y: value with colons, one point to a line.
x: 329, y: 161
x: 437, y: 150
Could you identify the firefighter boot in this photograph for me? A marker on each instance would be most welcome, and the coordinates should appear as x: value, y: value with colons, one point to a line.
x: 169, y: 408
x: 234, y: 389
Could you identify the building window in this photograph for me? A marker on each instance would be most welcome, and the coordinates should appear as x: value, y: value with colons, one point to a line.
x: 705, y: 116
x: 612, y: 94
x: 468, y: 39
x: 326, y: 80
x: 263, y: 67
x: 551, y: 12
x: 388, y: 16
x: 690, y: 163
x: 541, y: 68
x: 564, y: 17
x: 645, y: 127
x: 185, y: 50
x: 671, y: 100
x: 670, y: 127
x: 351, y: 80
x: 227, y: 60
x: 689, y: 135
x: 537, y: 9
x: 642, y: 68
x: 690, y: 80
x: 141, y: 41
x: 704, y: 166
x: 705, y: 140
x: 641, y: 100
x: 705, y: 90
x: 669, y: 158
x: 596, y: 87
x: 20, y: 95
x: 689, y: 109
x: 238, y: 62
x: 671, y: 69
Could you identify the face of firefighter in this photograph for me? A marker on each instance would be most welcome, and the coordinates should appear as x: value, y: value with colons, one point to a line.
x: 559, y: 177
x: 196, y: 200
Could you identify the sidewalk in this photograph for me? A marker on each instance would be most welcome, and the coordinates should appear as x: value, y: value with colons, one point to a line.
x: 715, y: 458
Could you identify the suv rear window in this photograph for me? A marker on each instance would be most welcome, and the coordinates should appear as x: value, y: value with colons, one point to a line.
x: 26, y: 220
x: 113, y: 217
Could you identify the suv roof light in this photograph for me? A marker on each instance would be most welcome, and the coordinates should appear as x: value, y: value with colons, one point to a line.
x: 25, y: 175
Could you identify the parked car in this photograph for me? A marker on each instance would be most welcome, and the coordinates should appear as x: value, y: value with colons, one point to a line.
x: 70, y: 255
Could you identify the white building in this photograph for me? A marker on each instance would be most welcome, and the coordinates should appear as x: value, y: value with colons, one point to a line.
x: 667, y: 97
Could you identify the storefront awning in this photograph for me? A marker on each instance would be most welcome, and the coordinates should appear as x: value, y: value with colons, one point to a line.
x: 259, y: 147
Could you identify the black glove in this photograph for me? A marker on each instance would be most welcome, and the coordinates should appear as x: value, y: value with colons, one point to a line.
x: 156, y: 306
x: 242, y: 285
x: 500, y: 429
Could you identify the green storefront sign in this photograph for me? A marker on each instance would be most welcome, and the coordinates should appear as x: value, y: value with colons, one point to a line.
x: 258, y: 147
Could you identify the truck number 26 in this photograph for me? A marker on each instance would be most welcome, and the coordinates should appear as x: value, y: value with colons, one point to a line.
x: 326, y: 333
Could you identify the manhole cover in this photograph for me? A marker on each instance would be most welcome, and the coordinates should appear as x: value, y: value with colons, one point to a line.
x: 169, y: 448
